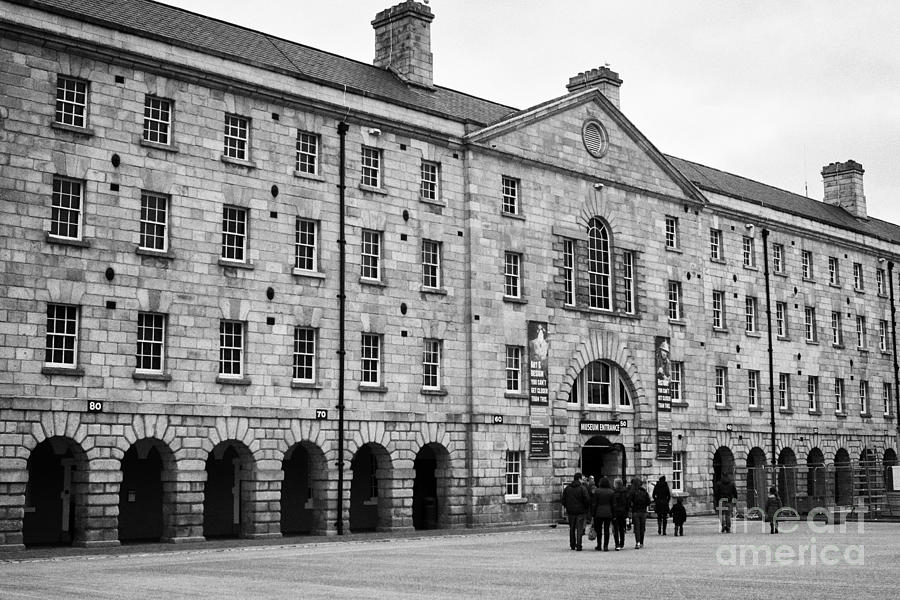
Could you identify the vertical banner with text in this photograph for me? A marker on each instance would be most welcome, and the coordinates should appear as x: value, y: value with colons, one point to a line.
x: 538, y: 373
x: 663, y: 375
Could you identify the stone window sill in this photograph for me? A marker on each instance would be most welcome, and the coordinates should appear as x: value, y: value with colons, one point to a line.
x: 158, y: 146
x: 515, y: 396
x: 433, y: 291
x: 680, y: 404
x: 815, y: 412
x: 62, y: 241
x: 679, y: 322
x: 141, y: 376
x: 436, y: 202
x: 299, y: 273
x: 812, y: 342
x: 375, y: 389
x: 720, y: 329
x: 515, y: 216
x: 754, y: 334
x: 724, y: 407
x: 373, y: 282
x: 375, y: 190
x: 674, y: 249
x: 718, y: 261
x: 836, y: 286
x: 305, y: 385
x: 756, y: 409
x: 433, y: 392
x: 512, y: 300
x: 232, y: 380
x: 233, y: 264
x: 840, y: 415
x: 64, y: 371
x: 312, y: 176
x: 751, y: 268
x: 786, y: 411
x: 154, y: 253
x: 865, y: 415
x: 85, y: 131
x: 780, y: 274
x: 515, y: 500
x: 238, y: 162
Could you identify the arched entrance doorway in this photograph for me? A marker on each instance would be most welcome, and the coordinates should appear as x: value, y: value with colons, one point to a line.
x: 56, y: 473
x: 602, y: 458
x: 757, y: 480
x: 787, y: 478
x: 843, y: 478
x: 890, y: 460
x: 723, y: 465
x: 816, y: 479
x: 141, y: 495
x: 429, y: 487
x: 303, y: 490
x: 227, y: 468
x: 369, y: 504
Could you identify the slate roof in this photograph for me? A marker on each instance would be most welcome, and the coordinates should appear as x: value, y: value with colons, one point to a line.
x: 748, y: 190
x: 190, y: 30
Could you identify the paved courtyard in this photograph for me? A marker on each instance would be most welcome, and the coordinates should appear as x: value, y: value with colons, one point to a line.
x: 532, y: 563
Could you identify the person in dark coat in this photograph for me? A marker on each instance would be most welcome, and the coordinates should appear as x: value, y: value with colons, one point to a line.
x: 577, y: 502
x: 773, y: 506
x: 679, y: 516
x: 724, y: 494
x: 619, y: 513
x: 638, y: 503
x: 661, y: 497
x: 601, y: 509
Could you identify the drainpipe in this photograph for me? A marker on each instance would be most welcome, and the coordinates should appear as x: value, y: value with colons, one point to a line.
x: 765, y: 236
x: 470, y: 349
x: 342, y: 297
x: 894, y: 345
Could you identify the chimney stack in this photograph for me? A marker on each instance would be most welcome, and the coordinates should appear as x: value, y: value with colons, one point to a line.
x: 403, y: 42
x: 844, y: 187
x: 603, y: 78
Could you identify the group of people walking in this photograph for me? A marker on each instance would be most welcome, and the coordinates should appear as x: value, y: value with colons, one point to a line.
x: 606, y: 506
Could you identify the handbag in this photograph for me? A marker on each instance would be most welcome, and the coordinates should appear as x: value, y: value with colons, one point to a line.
x: 592, y: 533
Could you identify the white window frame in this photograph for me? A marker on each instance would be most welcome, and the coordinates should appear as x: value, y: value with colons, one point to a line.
x: 750, y: 314
x: 303, y: 367
x: 62, y: 335
x: 809, y: 320
x: 676, y: 378
x: 671, y: 232
x: 715, y: 244
x: 861, y: 341
x: 678, y: 471
x: 838, y: 395
x: 778, y: 258
x: 158, y: 120
x: 837, y: 329
x: 67, y: 208
x: 884, y: 343
x: 599, y: 266
x: 237, y: 137
x: 718, y: 309
x: 306, y: 246
x: 72, y: 99
x: 720, y: 388
x: 370, y: 167
x: 431, y: 364
x: 781, y: 319
x: 784, y: 391
x: 887, y: 394
x: 569, y: 272
x: 753, y: 389
x: 235, y: 233
x: 154, y: 226
x: 231, y: 354
x: 674, y: 301
x: 749, y: 251
x: 880, y: 281
x: 308, y: 145
x: 628, y: 282
x: 370, y: 255
x: 370, y: 360
x: 513, y: 474
x: 858, y: 282
x: 512, y: 275
x: 806, y: 264
x: 864, y: 397
x: 812, y: 393
x: 833, y: 271
x: 514, y: 370
x: 511, y: 192
x: 431, y: 264
x: 151, y: 342
x: 430, y: 184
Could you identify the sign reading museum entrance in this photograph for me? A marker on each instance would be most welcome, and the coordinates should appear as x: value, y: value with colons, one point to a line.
x: 590, y: 427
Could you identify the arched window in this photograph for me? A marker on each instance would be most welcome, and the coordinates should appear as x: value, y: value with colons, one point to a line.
x: 599, y: 265
x: 602, y: 385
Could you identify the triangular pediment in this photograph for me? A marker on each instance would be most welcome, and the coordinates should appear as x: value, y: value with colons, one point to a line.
x: 552, y: 134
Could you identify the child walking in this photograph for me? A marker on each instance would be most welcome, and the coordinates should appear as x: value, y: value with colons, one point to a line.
x: 679, y: 516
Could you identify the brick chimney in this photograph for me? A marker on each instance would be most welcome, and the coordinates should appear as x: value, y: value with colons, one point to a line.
x: 603, y: 78
x: 403, y: 42
x: 844, y: 187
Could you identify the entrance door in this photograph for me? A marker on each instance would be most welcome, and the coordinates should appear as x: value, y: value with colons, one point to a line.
x: 296, y: 512
x: 49, y: 502
x: 601, y: 458
x: 222, y: 495
x: 425, y: 492
x: 141, y: 497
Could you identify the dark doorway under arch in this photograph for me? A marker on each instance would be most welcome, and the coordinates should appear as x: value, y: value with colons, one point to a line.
x: 889, y: 460
x: 430, y: 487
x: 843, y: 478
x: 141, y: 494
x: 757, y: 479
x: 56, y: 467
x: 368, y: 502
x: 296, y: 493
x: 223, y: 506
x: 602, y: 458
x: 787, y: 478
x: 816, y: 478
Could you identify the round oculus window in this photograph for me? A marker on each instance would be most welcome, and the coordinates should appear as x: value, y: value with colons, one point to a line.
x: 595, y: 139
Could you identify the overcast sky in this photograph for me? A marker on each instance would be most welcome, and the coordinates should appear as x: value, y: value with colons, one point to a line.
x: 770, y: 90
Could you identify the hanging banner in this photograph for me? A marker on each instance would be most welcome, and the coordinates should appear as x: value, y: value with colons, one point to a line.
x: 663, y: 375
x: 538, y: 371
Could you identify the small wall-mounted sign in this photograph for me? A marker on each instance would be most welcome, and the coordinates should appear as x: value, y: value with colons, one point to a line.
x: 321, y: 414
x: 591, y: 427
x: 729, y: 427
x: 95, y: 406
x: 497, y: 419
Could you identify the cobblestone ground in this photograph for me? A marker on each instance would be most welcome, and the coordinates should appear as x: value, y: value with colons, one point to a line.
x: 533, y: 563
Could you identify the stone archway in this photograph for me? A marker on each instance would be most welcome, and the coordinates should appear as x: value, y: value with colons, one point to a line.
x: 843, y: 478
x: 757, y: 478
x: 787, y: 478
x: 143, y: 494
x: 430, y: 497
x: 303, y: 489
x: 889, y: 460
x: 56, y: 489
x: 226, y: 493
x: 370, y: 489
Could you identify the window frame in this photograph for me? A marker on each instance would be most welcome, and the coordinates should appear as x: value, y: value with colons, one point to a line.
x: 146, y: 224
x: 781, y: 320
x: 62, y: 341
x: 374, y: 360
x: 810, y: 324
x: 628, y: 282
x: 308, y: 153
x: 431, y: 265
x: 156, y: 126
x: 569, y: 272
x: 599, y: 264
x: 671, y: 233
x: 748, y: 248
x: 58, y: 210
x: 834, y: 276
x: 676, y: 380
x: 884, y: 342
x: 812, y: 393
x: 715, y: 244
x: 837, y: 328
x: 839, y: 395
x: 784, y: 391
x: 880, y: 282
x: 864, y: 397
x: 159, y: 325
x: 858, y: 281
x: 778, y: 258
x: 678, y: 471
x: 751, y: 320
x: 371, y: 172
x: 305, y: 354
x: 236, y: 141
x: 510, y: 189
x: 432, y: 356
x: 430, y: 181
x: 806, y: 264
x: 674, y: 301
x: 718, y: 309
x: 512, y: 275
x: 370, y: 261
x: 720, y: 386
x: 61, y: 115
x: 230, y: 237
x: 513, y: 474
x: 306, y: 246
x: 514, y: 370
x: 227, y: 352
x: 887, y: 395
x: 752, y: 388
x: 861, y: 337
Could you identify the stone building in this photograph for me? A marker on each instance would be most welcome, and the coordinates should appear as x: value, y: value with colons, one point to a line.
x: 252, y: 288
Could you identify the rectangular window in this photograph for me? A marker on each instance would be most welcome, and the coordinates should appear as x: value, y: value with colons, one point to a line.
x: 157, y: 120
x: 674, y: 300
x: 749, y: 252
x: 857, y: 277
x: 65, y: 209
x: 676, y: 374
x: 71, y: 101
x: 884, y: 341
x: 154, y: 221
x: 514, y: 369
x: 880, y: 282
x: 750, y: 314
x: 307, y: 153
x: 431, y: 365
x: 151, y: 335
x: 234, y: 233
x: 718, y: 310
x: 371, y: 255
x: 839, y: 396
x: 431, y: 264
x: 833, y: 271
x: 715, y: 244
x: 513, y: 474
x: 370, y: 359
x: 62, y: 336
x: 864, y: 397
x: 599, y: 384
x: 861, y: 341
x: 778, y: 258
x: 887, y: 393
x: 510, y: 188
x: 809, y: 319
x: 677, y: 471
x: 569, y: 272
x: 721, y: 390
x: 781, y: 319
x: 671, y: 232
x: 304, y: 370
x: 753, y: 389
x: 237, y: 137
x: 371, y: 167
x: 231, y: 348
x: 812, y: 393
x: 806, y: 264
x: 306, y: 249
x: 628, y: 281
x: 429, y: 189
x: 837, y: 335
x: 784, y: 391
x: 512, y: 265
